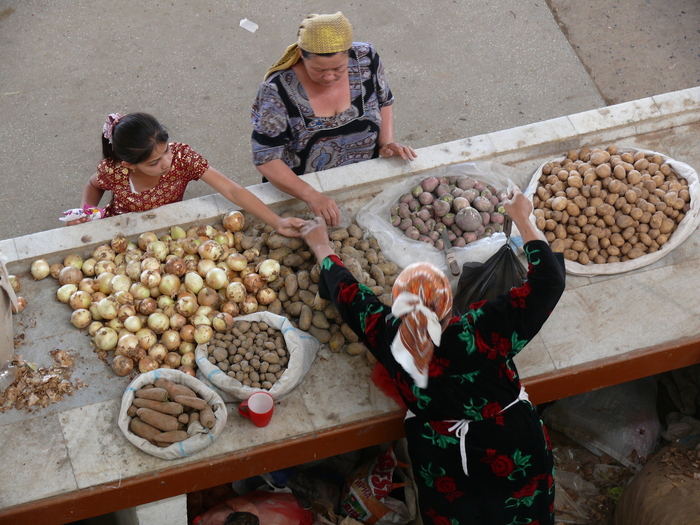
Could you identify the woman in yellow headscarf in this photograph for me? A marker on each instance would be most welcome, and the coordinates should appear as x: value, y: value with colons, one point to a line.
x: 478, y: 448
x: 325, y: 103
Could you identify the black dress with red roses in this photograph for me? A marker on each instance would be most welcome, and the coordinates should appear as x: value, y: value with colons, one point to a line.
x: 473, y: 389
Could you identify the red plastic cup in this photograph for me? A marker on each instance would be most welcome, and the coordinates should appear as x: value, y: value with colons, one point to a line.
x: 258, y: 408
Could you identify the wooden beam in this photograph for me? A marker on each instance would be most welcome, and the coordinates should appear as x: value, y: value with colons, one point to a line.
x: 613, y: 370
x: 110, y: 497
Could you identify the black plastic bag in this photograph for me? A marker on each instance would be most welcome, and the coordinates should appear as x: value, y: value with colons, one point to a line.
x: 487, y: 280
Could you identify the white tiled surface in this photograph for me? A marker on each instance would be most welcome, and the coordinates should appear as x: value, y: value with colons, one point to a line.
x: 76, y: 443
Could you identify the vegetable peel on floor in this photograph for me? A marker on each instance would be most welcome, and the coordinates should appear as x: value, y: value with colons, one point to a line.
x: 37, y: 388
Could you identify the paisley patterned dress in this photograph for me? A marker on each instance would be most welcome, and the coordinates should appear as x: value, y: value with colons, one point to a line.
x: 188, y: 165
x: 479, y: 451
x: 285, y: 127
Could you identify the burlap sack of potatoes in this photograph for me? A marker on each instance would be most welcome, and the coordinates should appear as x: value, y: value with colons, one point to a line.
x: 685, y: 228
x: 301, y: 347
x: 193, y: 444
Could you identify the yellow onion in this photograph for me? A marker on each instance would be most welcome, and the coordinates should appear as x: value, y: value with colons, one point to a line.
x: 106, y: 338
x: 127, y: 344
x: 236, y: 261
x: 133, y: 323
x: 21, y: 305
x: 73, y: 259
x: 147, y: 306
x: 124, y: 297
x: 175, y: 266
x: 64, y: 292
x: 186, y: 346
x: 125, y: 311
x: 40, y: 269
x: 170, y: 339
x: 122, y: 365
x: 104, y: 282
x: 187, y: 370
x: 216, y: 278
x: 81, y: 318
x: 249, y: 305
x: 203, y: 334
x: 108, y: 307
x: 120, y: 283
x: 69, y: 275
x: 208, y: 296
x: 222, y: 322
x: 104, y: 252
x: 236, y: 292
x: 265, y: 296
x: 186, y: 306
x: 187, y: 359
x: 119, y: 243
x: 55, y: 269
x: 158, y: 352
x: 150, y: 278
x: 147, y: 364
x: 177, y: 321
x: 139, y: 291
x: 94, y: 327
x: 80, y: 300
x: 177, y: 232
x: 105, y: 266
x: 187, y: 333
x: 269, y: 270
x: 234, y: 221
x: 88, y: 284
x: 147, y: 338
x: 159, y: 249
x: 210, y: 250
x: 158, y: 322
x: 145, y: 239
x: 253, y: 282
x: 230, y: 308
x: 172, y: 359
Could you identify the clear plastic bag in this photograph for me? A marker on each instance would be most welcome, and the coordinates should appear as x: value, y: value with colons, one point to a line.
x: 374, y: 217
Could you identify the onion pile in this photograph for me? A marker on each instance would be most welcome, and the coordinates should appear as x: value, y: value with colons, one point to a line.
x: 148, y: 303
x: 467, y: 209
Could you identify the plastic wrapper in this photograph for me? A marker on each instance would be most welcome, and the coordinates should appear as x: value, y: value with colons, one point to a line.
x: 302, y: 348
x: 375, y: 217
x: 90, y: 212
x: 682, y: 232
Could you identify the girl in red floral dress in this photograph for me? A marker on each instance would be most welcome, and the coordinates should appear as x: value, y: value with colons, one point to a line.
x: 144, y: 171
x: 479, y: 452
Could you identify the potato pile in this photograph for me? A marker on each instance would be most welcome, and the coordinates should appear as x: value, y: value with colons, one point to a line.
x: 466, y: 208
x: 297, y: 289
x: 253, y: 353
x: 165, y: 413
x: 602, y: 206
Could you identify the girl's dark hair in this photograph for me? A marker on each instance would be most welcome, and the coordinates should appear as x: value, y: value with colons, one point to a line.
x: 134, y: 138
x: 306, y: 54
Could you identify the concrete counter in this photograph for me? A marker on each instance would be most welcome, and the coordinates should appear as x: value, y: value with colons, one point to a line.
x: 69, y: 461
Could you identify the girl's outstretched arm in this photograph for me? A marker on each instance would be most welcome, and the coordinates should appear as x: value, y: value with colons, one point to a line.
x: 91, y: 197
x: 241, y: 196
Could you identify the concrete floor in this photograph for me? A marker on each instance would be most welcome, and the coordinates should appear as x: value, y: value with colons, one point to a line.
x: 457, y: 69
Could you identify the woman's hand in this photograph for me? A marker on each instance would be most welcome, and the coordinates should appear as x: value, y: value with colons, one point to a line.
x: 323, y: 206
x: 391, y: 149
x: 315, y: 233
x: 290, y: 226
x: 76, y: 221
x: 518, y: 207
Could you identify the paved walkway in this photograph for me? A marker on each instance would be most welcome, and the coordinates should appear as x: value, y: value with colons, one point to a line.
x: 457, y: 69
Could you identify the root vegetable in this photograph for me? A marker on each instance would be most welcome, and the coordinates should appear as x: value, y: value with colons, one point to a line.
x: 168, y: 438
x: 166, y: 407
x: 122, y: 366
x: 163, y: 422
x: 143, y: 429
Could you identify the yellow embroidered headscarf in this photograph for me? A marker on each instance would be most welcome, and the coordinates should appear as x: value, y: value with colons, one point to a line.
x: 317, y: 34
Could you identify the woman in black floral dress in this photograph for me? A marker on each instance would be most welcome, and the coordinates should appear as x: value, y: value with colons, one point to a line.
x: 479, y: 451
